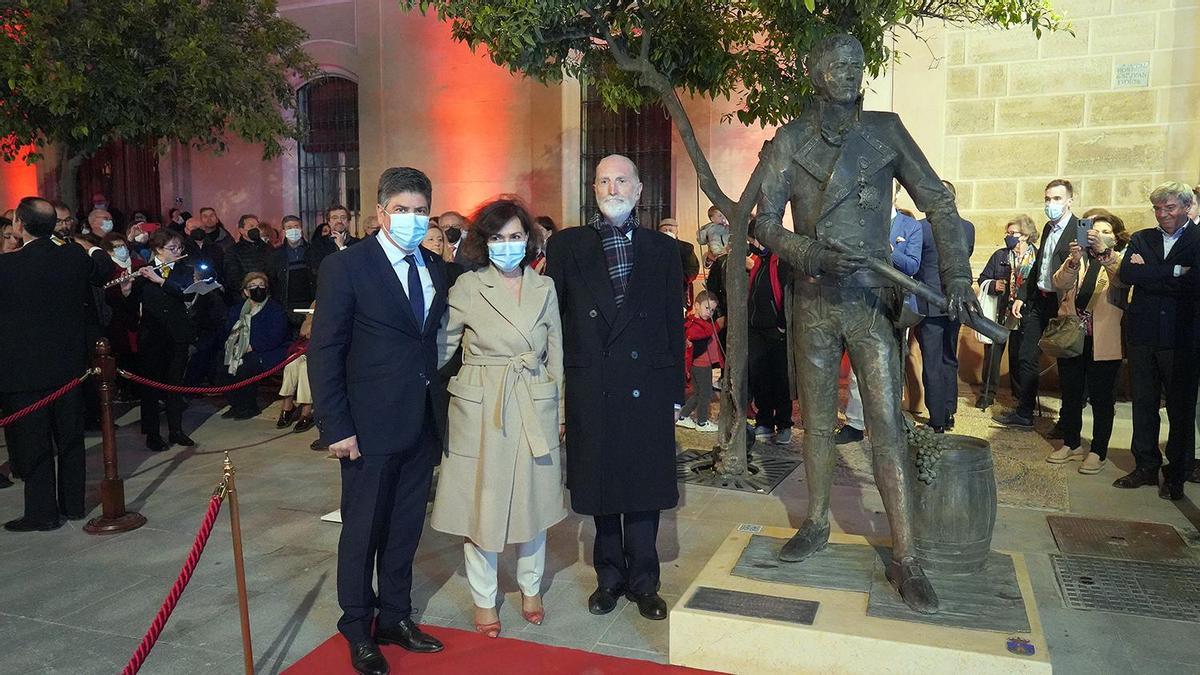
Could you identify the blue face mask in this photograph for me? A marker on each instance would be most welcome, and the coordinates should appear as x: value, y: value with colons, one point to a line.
x: 1011, y: 241
x: 1054, y: 210
x: 506, y: 255
x: 121, y: 253
x: 407, y: 229
x: 106, y: 226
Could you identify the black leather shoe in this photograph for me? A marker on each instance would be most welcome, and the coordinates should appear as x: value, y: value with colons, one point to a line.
x: 1193, y: 477
x: 603, y: 600
x: 847, y: 434
x: 1136, y: 479
x: 408, y: 634
x: 651, y: 605
x: 155, y: 443
x: 26, y: 525
x: 4, y: 481
x: 286, y: 417
x: 366, y: 658
x: 1171, y: 491
x: 809, y: 539
x: 1014, y: 420
x: 950, y: 424
x: 909, y: 579
x: 181, y: 439
x: 984, y: 402
x: 304, y: 424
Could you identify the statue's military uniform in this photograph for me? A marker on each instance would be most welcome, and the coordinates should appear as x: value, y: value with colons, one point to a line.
x: 839, y: 185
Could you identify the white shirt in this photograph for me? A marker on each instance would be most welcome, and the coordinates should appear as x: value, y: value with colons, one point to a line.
x: 1046, y: 273
x: 395, y: 256
x: 1169, y: 243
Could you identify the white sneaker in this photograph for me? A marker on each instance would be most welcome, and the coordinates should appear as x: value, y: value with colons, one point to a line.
x: 686, y: 423
x: 784, y: 437
x: 1065, y: 454
x: 1092, y: 465
x: 708, y: 427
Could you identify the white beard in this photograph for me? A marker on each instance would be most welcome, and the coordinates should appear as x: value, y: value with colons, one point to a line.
x: 615, y: 209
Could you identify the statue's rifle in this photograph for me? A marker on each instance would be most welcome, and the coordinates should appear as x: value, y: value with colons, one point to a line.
x: 984, y: 326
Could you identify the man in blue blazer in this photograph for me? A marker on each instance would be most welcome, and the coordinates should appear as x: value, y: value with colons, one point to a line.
x: 372, y: 364
x: 938, y: 334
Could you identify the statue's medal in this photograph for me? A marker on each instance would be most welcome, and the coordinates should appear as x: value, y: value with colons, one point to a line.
x: 868, y: 197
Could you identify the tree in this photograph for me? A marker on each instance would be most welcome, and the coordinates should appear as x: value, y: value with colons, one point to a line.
x: 76, y: 75
x: 752, y: 51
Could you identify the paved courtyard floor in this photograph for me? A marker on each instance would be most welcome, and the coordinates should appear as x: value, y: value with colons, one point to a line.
x: 75, y: 603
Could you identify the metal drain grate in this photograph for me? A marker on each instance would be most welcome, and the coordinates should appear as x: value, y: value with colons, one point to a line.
x: 765, y: 470
x: 1125, y: 539
x: 1129, y: 587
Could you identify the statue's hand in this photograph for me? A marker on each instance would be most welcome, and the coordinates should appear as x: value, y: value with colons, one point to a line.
x: 961, y: 301
x: 841, y: 264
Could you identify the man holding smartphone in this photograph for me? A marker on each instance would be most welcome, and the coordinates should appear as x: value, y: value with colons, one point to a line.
x: 1037, y: 301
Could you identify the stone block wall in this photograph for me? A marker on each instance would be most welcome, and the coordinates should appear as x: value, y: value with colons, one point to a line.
x: 1114, y: 107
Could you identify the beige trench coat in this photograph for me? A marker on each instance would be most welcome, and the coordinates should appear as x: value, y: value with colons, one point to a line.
x: 1106, y: 316
x: 501, y: 482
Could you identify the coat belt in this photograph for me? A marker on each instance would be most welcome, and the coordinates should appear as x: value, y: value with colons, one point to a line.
x: 516, y: 383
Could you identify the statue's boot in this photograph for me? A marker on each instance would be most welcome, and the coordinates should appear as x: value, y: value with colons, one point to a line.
x: 809, y: 539
x: 916, y: 591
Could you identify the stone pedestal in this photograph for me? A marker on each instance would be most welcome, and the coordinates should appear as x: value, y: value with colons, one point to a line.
x: 718, y: 624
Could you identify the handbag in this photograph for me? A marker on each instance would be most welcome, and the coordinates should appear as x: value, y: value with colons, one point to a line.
x: 1065, y: 335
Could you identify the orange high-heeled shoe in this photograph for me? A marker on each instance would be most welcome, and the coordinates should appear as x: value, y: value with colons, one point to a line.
x: 535, y: 617
x: 491, y: 630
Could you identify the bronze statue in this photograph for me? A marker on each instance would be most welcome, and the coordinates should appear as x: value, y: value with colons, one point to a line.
x: 836, y: 164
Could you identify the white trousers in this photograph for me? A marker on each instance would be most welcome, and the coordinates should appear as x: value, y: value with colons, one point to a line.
x: 481, y: 570
x: 295, y: 381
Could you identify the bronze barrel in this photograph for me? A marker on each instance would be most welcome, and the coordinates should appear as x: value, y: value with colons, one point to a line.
x: 956, y: 510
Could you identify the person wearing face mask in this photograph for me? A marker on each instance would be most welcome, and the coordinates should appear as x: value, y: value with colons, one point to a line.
x: 687, y: 254
x: 100, y: 222
x: 501, y: 480
x: 1000, y: 281
x: 249, y: 254
x: 256, y: 340
x: 291, y: 272
x: 164, y: 336
x: 372, y: 365
x: 122, y: 327
x: 1092, y: 290
x: 136, y: 239
x: 620, y: 289
x: 1037, y: 301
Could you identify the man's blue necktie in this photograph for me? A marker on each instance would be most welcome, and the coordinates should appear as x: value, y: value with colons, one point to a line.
x: 416, y: 293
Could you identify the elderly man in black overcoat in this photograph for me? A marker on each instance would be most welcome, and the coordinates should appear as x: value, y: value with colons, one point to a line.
x: 620, y: 289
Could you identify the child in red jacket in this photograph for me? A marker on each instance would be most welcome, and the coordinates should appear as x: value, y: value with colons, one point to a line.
x: 703, y: 352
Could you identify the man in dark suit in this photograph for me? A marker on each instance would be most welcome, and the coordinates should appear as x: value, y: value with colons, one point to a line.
x: 339, y: 238
x: 620, y: 291
x: 1160, y: 331
x: 938, y: 333
x: 44, y: 289
x: 687, y: 255
x: 372, y: 364
x: 1037, y: 301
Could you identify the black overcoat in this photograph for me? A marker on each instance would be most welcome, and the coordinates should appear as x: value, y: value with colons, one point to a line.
x: 623, y: 371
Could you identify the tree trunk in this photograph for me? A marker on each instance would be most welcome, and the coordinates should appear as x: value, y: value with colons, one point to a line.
x: 68, y: 178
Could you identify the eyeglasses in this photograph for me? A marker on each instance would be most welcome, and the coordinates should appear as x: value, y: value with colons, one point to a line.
x: 251, y: 288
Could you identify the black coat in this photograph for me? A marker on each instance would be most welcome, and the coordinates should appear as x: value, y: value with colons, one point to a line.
x: 373, y: 370
x: 241, y: 259
x: 209, y: 254
x: 321, y: 247
x: 165, y: 314
x: 623, y: 371
x: 1057, y: 257
x: 929, y: 273
x: 293, y: 288
x: 687, y: 257
x: 44, y: 295
x: 1162, y: 311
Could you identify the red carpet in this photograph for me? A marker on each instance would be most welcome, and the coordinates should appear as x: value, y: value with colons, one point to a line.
x: 467, y: 652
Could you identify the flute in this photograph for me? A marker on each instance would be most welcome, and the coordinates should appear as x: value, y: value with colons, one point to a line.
x: 129, y: 276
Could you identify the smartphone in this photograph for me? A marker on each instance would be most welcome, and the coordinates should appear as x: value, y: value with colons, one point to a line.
x: 1081, y: 234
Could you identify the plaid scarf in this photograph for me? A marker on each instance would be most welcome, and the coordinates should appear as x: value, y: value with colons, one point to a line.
x: 618, y: 250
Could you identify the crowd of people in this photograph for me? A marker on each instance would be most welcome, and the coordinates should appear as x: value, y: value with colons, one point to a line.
x: 495, y: 343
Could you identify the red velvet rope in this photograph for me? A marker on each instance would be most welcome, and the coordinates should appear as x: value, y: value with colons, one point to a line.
x: 179, y: 389
x: 172, y: 599
x: 38, y: 405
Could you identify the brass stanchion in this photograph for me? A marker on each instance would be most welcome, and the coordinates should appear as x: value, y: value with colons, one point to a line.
x: 238, y: 565
x: 114, y: 518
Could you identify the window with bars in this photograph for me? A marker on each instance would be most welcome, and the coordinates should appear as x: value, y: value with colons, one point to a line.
x: 644, y: 136
x: 328, y: 151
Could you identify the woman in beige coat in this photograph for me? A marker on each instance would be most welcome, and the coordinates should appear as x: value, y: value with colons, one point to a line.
x: 501, y: 479
x: 1092, y: 376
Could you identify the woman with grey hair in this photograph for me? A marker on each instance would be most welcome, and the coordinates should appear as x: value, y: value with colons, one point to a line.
x: 1001, y: 279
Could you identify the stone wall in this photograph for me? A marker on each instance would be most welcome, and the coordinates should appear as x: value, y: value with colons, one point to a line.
x: 1115, y: 108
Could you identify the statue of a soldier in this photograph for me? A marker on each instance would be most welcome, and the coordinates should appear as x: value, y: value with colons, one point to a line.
x: 835, y: 164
